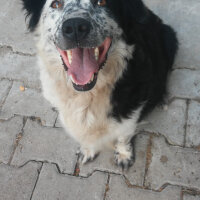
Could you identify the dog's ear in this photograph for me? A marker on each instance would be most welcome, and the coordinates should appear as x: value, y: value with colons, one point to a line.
x: 34, y: 9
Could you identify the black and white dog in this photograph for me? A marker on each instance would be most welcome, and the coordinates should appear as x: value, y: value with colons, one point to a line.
x: 104, y: 65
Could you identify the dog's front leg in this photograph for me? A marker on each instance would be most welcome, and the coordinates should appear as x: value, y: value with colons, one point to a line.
x: 87, y: 154
x: 124, y: 151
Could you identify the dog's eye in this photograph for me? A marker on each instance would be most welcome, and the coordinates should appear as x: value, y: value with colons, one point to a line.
x: 101, y: 2
x: 56, y: 4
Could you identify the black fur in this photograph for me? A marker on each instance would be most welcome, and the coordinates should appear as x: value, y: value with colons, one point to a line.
x: 145, y: 78
x: 34, y: 9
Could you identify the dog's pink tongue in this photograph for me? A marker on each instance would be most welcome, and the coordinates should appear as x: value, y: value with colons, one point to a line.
x: 83, y: 65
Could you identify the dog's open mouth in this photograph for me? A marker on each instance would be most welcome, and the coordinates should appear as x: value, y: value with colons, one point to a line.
x: 83, y: 64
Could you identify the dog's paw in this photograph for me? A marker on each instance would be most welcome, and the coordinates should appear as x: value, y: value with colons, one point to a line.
x: 124, y: 157
x: 87, y: 155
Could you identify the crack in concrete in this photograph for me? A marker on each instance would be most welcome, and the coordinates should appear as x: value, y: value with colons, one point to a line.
x: 10, y: 48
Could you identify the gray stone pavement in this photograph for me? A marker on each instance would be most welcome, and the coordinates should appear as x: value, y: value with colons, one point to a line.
x: 38, y: 160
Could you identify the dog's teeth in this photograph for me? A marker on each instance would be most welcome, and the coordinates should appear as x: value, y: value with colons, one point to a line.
x: 69, y: 55
x: 92, y: 78
x: 96, y: 53
x: 72, y: 79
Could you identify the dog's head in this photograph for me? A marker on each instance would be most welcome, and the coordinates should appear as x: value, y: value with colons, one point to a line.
x: 86, y: 33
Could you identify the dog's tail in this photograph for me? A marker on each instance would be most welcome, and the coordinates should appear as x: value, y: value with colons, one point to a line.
x: 170, y: 43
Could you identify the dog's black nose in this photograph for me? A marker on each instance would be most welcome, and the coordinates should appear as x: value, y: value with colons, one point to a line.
x: 76, y: 28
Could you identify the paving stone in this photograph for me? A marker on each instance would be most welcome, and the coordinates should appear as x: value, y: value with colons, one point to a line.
x: 173, y: 165
x: 169, y: 123
x: 52, y: 185
x: 19, y: 67
x: 105, y: 162
x: 190, y: 197
x: 13, y: 29
x: 118, y: 190
x: 4, y: 89
x: 28, y: 103
x: 46, y: 144
x: 18, y: 184
x: 184, y: 84
x: 183, y: 16
x: 193, y: 125
x: 8, y: 131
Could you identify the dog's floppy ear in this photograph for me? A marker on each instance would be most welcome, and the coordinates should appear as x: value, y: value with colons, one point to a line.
x: 34, y: 9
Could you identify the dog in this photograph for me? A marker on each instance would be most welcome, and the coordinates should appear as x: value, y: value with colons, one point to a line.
x: 104, y: 65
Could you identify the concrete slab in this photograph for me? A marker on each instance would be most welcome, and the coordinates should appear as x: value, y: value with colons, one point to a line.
x: 8, y: 132
x: 19, y: 67
x: 118, y: 190
x: 184, y: 83
x: 183, y: 16
x: 18, y: 184
x: 170, y: 123
x: 47, y: 145
x: 52, y: 185
x: 28, y: 103
x: 193, y: 125
x: 173, y: 165
x: 13, y: 29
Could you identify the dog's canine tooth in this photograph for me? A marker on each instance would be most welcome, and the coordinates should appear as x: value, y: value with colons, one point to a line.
x: 72, y: 79
x: 69, y: 55
x: 96, y: 53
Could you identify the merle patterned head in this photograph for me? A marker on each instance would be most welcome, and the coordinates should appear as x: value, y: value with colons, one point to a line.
x: 84, y: 32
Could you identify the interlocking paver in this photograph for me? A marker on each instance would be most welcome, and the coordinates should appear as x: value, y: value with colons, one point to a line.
x: 105, y: 162
x: 8, y: 132
x: 52, y: 185
x: 169, y: 123
x: 18, y: 184
x: 4, y: 89
x: 174, y: 165
x: 46, y: 144
x: 193, y: 125
x: 184, y: 83
x: 28, y: 103
x: 190, y: 197
x: 13, y: 29
x: 19, y: 67
x: 118, y: 190
x: 183, y: 16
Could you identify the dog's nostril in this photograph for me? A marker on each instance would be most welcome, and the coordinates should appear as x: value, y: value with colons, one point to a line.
x: 68, y: 30
x: 83, y: 28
